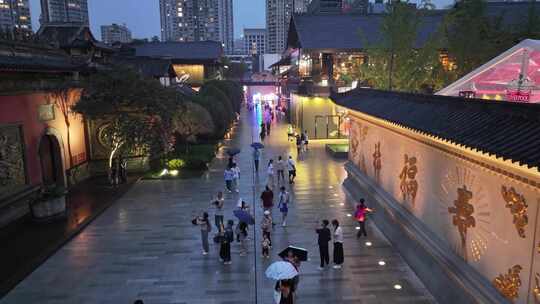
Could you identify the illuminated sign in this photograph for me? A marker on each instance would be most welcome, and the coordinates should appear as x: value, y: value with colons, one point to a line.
x: 518, y: 96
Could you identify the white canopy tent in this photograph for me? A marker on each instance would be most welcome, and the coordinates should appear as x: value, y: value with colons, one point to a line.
x: 512, y: 76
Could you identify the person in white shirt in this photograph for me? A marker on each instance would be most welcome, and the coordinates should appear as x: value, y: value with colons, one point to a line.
x: 291, y: 166
x: 270, y: 171
x: 236, y: 177
x: 338, y: 245
x: 228, y: 175
x: 218, y: 203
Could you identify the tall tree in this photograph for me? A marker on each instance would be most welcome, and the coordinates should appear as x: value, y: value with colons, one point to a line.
x: 135, y: 109
x: 62, y: 97
x: 472, y: 37
x: 397, y: 61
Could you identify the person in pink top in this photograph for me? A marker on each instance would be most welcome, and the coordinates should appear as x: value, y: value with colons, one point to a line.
x: 361, y: 211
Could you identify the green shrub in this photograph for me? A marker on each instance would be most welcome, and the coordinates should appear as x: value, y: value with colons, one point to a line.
x: 176, y: 164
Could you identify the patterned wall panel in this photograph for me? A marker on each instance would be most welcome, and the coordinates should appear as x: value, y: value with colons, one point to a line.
x: 488, y: 219
x: 12, y: 167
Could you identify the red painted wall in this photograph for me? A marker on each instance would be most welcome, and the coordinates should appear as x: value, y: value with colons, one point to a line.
x: 23, y: 110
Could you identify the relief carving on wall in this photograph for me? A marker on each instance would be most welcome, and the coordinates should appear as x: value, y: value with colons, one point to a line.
x: 518, y: 207
x: 463, y: 217
x: 408, y: 184
x: 536, y: 289
x: 377, y: 164
x: 12, y: 173
x: 358, y: 137
x: 470, y: 242
x: 508, y: 284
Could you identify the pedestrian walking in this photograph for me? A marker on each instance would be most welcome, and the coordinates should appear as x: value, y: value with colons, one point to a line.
x: 360, y: 214
x: 242, y: 205
x: 306, y: 140
x: 256, y: 158
x: 242, y: 232
x: 205, y: 226
x: 283, y: 293
x: 236, y: 177
x: 290, y: 133
x: 303, y: 141
x: 262, y: 134
x: 280, y: 167
x: 265, y: 244
x: 226, y: 241
x: 266, y: 226
x: 298, y: 144
x: 218, y: 203
x: 267, y: 197
x: 228, y: 175
x: 283, y: 205
x: 270, y: 172
x: 324, y: 236
x: 291, y: 166
x: 338, y: 245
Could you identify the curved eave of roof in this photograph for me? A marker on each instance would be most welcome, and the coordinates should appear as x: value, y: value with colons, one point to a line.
x: 513, y: 135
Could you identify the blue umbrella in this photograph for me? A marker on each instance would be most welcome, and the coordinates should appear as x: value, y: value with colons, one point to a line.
x: 232, y: 151
x: 257, y: 145
x: 281, y: 271
x: 244, y: 216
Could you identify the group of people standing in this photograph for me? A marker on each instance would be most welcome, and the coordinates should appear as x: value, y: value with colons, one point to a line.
x: 325, y: 235
x: 276, y: 168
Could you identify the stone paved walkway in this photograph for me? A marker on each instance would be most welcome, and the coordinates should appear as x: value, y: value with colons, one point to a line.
x: 145, y: 246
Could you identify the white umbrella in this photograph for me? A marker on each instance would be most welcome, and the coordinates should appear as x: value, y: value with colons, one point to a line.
x: 281, y: 271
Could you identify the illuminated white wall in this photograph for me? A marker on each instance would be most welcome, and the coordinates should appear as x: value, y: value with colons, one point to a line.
x: 493, y: 243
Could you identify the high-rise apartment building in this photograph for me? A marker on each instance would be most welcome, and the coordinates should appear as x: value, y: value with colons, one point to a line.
x: 226, y: 25
x: 115, y: 33
x: 197, y: 20
x: 255, y: 41
x: 63, y: 11
x: 15, y: 14
x: 278, y: 17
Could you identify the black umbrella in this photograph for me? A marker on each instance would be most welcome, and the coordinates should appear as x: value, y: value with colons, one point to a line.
x: 257, y: 145
x: 298, y: 252
x: 232, y: 151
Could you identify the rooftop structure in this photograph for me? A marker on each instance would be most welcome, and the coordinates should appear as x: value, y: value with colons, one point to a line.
x: 73, y: 11
x: 115, y: 33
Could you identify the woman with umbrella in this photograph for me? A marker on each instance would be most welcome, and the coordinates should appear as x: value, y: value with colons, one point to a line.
x: 283, y: 272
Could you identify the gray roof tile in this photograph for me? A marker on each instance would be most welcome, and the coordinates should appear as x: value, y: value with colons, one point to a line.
x: 505, y: 129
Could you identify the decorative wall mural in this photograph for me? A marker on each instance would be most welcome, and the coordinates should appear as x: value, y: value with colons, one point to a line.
x: 463, y: 217
x: 377, y: 165
x: 463, y: 202
x: 508, y: 284
x: 518, y: 207
x: 408, y: 184
x: 12, y: 171
x: 536, y: 289
x: 358, y: 137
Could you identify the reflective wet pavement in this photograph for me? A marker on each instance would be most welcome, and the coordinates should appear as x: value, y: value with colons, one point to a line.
x: 26, y: 244
x: 145, y: 246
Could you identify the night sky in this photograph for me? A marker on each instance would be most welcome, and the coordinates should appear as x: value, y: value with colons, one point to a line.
x: 142, y: 16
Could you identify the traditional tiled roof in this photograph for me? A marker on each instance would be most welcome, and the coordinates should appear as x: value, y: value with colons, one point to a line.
x: 26, y: 57
x: 503, y: 129
x: 147, y: 66
x: 197, y: 50
x: 67, y: 35
x: 356, y: 32
x: 347, y: 32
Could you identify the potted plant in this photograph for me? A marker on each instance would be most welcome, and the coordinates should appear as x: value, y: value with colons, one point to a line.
x: 49, y: 204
